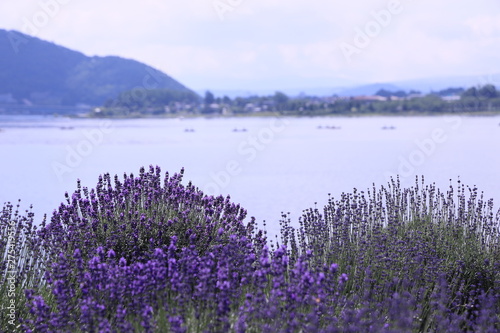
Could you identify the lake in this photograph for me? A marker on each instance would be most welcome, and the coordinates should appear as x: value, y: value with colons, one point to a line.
x: 268, y: 165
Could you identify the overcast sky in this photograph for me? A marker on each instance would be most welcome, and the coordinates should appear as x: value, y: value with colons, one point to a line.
x: 279, y: 44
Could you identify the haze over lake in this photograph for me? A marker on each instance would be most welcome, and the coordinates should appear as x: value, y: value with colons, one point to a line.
x: 268, y: 165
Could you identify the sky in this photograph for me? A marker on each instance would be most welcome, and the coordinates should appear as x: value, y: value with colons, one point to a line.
x: 275, y: 44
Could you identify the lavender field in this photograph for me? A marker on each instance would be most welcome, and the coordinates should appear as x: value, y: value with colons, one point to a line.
x: 148, y: 253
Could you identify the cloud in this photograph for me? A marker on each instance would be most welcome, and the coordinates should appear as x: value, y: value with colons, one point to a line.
x: 485, y: 26
x: 275, y: 40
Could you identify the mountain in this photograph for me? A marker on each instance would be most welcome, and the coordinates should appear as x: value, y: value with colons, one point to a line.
x: 33, y: 71
x: 368, y: 89
x: 292, y: 92
x: 424, y: 85
x: 428, y: 85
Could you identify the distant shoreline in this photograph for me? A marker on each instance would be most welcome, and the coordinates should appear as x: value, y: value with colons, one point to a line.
x: 263, y: 115
x: 277, y: 115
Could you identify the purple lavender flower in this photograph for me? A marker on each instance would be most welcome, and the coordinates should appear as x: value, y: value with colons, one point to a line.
x: 152, y: 255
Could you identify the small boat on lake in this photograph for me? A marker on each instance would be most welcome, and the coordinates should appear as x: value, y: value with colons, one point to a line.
x: 329, y: 127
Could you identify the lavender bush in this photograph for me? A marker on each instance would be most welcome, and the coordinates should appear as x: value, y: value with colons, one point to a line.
x: 140, y: 214
x: 21, y: 263
x: 144, y: 254
x: 441, y: 249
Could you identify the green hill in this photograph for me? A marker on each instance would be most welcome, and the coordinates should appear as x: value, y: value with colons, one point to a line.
x: 34, y: 71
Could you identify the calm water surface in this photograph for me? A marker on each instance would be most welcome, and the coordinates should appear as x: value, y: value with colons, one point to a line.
x: 267, y: 165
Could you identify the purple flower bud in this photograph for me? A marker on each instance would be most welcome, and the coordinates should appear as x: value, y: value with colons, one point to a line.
x: 111, y: 254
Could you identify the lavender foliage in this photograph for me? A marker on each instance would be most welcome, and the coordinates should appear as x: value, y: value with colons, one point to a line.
x: 144, y: 254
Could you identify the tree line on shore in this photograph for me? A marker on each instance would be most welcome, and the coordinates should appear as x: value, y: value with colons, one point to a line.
x: 162, y: 102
